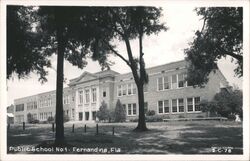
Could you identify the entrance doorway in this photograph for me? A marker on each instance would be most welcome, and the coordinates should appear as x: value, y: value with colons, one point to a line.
x: 80, y: 116
x: 94, y: 115
x: 86, y: 116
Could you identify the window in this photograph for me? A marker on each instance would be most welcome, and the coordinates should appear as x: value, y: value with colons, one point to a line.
x: 130, y: 89
x: 166, y: 83
x: 20, y: 107
x: 19, y: 118
x: 119, y: 90
x: 35, y: 105
x: 174, y: 105
x: 29, y: 105
x: 93, y: 94
x: 34, y: 116
x: 163, y: 106
x: 193, y: 104
x: 124, y: 89
x: 66, y: 100
x: 180, y: 80
x: 181, y: 104
x: 49, y: 102
x: 87, y: 96
x: 160, y: 106
x: 104, y: 94
x: 134, y: 109
x: 134, y: 89
x: 189, y: 104
x: 197, y: 104
x: 166, y: 106
x: 131, y: 109
x: 80, y: 97
x: 160, y: 84
x: 174, y: 81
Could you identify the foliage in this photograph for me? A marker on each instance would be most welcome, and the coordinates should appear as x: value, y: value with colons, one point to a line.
x: 231, y: 117
x: 181, y: 116
x: 220, y: 36
x: 66, y: 118
x: 119, y: 113
x: 111, y: 116
x: 23, y: 56
x: 35, y: 122
x: 126, y: 23
x: 150, y: 113
x: 29, y: 118
x: 103, y: 114
x: 135, y: 119
x: 154, y: 118
x: 225, y: 103
x: 51, y: 119
x: 75, y: 32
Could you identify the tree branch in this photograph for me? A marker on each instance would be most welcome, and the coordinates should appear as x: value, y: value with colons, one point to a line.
x: 238, y: 57
x: 120, y: 22
x: 117, y: 54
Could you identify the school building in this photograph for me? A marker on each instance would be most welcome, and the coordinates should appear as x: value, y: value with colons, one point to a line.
x: 167, y: 93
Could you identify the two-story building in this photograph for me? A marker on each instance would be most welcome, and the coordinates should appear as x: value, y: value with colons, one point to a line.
x: 167, y: 93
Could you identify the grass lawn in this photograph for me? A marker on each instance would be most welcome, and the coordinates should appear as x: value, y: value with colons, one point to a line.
x: 186, y: 137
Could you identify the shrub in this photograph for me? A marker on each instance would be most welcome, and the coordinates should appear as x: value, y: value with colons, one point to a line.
x: 181, y: 116
x: 44, y: 122
x: 231, y: 117
x: 225, y: 103
x: 154, y: 118
x: 34, y: 122
x: 51, y: 119
x: 166, y: 117
x: 119, y: 113
x: 65, y: 118
x: 199, y: 116
x: 134, y: 119
x: 103, y: 114
x: 150, y: 113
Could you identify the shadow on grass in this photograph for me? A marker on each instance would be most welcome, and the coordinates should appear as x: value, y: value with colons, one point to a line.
x: 188, y: 138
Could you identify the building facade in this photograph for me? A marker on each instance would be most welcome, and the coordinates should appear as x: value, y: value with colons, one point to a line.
x: 167, y: 93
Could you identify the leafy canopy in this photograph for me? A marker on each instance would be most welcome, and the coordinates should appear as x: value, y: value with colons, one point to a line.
x: 23, y: 43
x: 220, y: 36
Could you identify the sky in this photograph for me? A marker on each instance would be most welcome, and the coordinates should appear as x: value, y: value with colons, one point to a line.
x: 163, y: 48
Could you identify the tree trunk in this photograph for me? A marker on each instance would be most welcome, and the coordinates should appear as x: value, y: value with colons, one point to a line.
x: 59, y: 138
x: 141, y: 121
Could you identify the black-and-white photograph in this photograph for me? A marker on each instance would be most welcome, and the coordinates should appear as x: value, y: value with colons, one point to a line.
x: 125, y: 79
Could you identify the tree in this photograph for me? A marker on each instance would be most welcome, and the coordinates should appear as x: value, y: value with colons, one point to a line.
x: 220, y: 36
x: 103, y: 114
x: 60, y: 30
x: 22, y: 44
x: 120, y: 113
x: 225, y: 103
x: 125, y: 24
x: 68, y: 29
